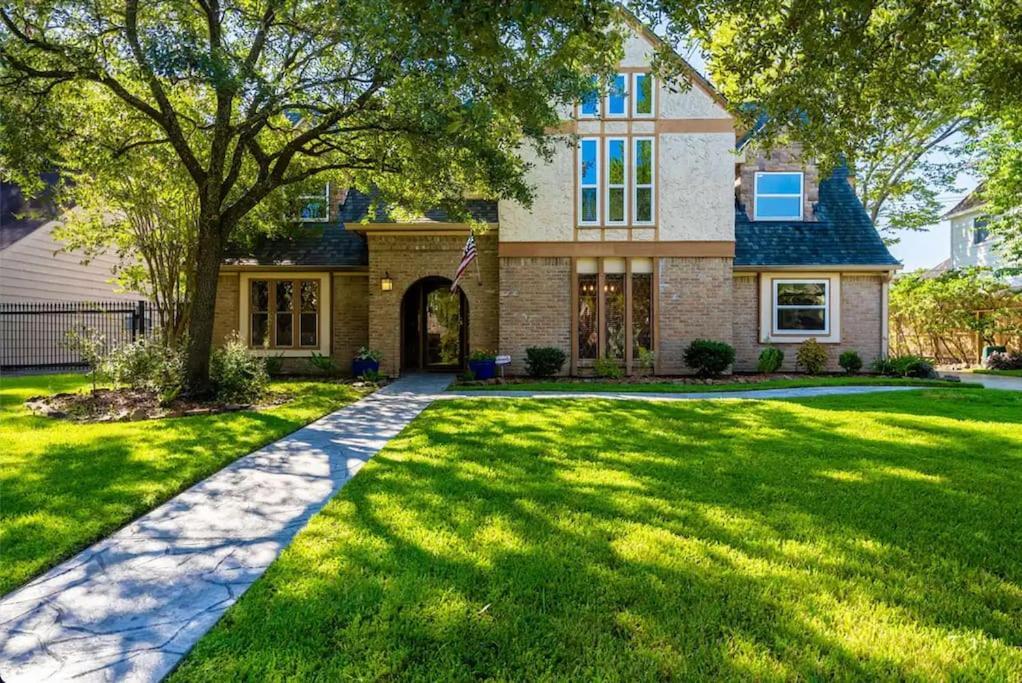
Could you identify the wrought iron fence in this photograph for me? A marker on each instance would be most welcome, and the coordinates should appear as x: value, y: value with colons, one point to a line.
x: 34, y: 335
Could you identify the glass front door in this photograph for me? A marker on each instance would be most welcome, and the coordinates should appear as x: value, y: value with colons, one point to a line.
x: 443, y: 328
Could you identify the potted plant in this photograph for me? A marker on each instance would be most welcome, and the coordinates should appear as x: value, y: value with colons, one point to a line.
x: 483, y: 364
x: 366, y: 360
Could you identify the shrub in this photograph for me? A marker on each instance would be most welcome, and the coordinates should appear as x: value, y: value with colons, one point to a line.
x: 366, y: 353
x: 607, y: 368
x: 373, y: 376
x: 770, y: 359
x: 482, y: 355
x: 150, y: 364
x: 543, y: 361
x: 274, y: 364
x: 709, y: 358
x: 323, y: 364
x: 91, y: 346
x: 1003, y: 360
x: 647, y: 359
x: 905, y: 366
x: 811, y: 356
x: 850, y: 361
x: 237, y: 375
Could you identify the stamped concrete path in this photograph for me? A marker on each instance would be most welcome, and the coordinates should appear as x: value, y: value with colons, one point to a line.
x: 132, y: 605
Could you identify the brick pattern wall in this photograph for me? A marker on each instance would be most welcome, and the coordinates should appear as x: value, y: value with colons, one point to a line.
x: 787, y: 158
x: 535, y: 307
x: 695, y: 303
x: 226, y: 309
x: 861, y: 322
x: 409, y: 258
x: 349, y: 327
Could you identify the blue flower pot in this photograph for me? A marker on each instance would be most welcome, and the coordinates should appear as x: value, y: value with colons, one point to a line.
x: 361, y: 367
x: 483, y: 369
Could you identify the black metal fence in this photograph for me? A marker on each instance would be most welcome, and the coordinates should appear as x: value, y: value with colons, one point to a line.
x: 34, y: 335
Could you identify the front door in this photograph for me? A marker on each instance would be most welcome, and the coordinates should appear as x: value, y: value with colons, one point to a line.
x: 433, y: 321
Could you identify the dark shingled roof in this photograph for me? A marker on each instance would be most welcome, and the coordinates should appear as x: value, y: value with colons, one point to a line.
x: 842, y: 235
x: 971, y: 201
x: 327, y: 244
x: 20, y: 217
x: 356, y: 208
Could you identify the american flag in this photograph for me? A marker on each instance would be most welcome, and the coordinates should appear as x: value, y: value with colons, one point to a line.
x: 468, y: 255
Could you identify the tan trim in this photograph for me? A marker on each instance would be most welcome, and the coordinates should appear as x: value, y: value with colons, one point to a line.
x: 825, y: 269
x: 704, y: 249
x: 432, y: 228
x: 629, y: 332
x: 236, y: 269
x: 695, y: 126
x: 574, y: 316
x: 325, y: 312
x: 655, y: 327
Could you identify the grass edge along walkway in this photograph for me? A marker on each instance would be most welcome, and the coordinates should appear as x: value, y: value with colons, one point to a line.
x: 681, y: 388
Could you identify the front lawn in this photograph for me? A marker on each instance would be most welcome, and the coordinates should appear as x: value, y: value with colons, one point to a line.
x: 64, y: 485
x: 680, y: 388
x: 1003, y: 373
x: 847, y: 537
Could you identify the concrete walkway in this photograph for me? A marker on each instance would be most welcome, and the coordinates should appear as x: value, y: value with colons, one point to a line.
x: 132, y: 605
x: 989, y: 381
x: 804, y: 392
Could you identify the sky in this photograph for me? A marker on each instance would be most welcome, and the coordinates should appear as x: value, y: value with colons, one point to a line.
x: 915, y: 249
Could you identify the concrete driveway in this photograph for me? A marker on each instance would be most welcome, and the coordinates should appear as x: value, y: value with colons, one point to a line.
x: 989, y: 381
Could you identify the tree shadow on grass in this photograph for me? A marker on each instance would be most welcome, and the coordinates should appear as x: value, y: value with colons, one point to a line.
x: 639, y: 541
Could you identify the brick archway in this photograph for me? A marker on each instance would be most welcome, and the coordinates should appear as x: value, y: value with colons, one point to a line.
x: 434, y: 326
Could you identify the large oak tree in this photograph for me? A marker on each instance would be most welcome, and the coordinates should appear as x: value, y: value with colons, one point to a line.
x: 428, y: 100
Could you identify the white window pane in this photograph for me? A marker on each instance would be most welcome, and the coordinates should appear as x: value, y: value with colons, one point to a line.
x: 779, y: 183
x: 801, y: 294
x: 643, y: 94
x: 616, y: 161
x: 778, y: 207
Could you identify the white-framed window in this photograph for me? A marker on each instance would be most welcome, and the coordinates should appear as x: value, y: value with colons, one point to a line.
x: 617, y: 96
x: 801, y: 307
x: 589, y: 181
x: 778, y: 196
x: 643, y: 93
x: 315, y: 208
x: 589, y: 107
x: 643, y: 181
x: 616, y: 198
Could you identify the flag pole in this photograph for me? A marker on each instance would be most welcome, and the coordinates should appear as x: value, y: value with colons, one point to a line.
x: 479, y: 273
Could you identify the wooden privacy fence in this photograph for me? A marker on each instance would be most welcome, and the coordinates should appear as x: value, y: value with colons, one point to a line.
x: 34, y: 335
x: 955, y: 347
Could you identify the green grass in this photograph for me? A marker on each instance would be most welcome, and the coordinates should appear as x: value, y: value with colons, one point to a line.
x: 1003, y: 373
x: 674, y: 387
x: 65, y: 485
x: 847, y: 537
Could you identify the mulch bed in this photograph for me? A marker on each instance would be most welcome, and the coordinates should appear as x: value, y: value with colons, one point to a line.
x: 658, y: 379
x: 131, y: 405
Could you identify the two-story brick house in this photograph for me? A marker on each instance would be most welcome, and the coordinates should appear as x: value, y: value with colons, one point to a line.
x: 654, y: 224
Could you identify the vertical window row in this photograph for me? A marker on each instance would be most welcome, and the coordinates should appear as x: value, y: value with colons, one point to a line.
x: 602, y: 316
x: 274, y: 308
x: 628, y: 94
x: 628, y: 183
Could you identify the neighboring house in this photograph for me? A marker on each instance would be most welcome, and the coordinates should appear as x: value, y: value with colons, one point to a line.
x: 34, y: 266
x: 971, y: 241
x: 654, y: 227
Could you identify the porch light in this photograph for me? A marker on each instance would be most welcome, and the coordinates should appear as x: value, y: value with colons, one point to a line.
x: 386, y: 284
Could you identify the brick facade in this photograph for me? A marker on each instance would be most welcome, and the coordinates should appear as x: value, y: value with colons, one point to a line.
x: 535, y: 307
x: 408, y: 259
x: 225, y: 312
x: 861, y: 322
x: 695, y: 303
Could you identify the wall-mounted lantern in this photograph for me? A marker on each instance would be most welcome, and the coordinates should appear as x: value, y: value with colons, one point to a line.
x: 386, y: 284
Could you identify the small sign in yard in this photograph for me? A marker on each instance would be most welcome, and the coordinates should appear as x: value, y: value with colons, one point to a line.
x: 503, y: 360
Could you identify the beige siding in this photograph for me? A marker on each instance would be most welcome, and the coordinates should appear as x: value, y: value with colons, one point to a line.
x: 36, y: 269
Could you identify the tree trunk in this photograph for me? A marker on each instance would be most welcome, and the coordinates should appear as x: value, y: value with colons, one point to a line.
x: 203, y: 301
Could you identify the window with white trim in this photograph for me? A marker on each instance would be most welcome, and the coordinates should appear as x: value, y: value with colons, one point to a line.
x: 801, y: 307
x: 643, y: 188
x: 617, y: 96
x: 980, y: 231
x: 589, y: 181
x: 778, y: 196
x: 642, y: 95
x: 590, y: 105
x: 315, y: 208
x: 617, y: 165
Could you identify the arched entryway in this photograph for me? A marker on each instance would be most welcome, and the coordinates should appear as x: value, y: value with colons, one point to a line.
x: 434, y: 326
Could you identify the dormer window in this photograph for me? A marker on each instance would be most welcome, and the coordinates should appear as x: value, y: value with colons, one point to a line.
x: 315, y: 208
x: 778, y: 196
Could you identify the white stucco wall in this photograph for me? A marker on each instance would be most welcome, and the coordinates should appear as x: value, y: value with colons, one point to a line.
x: 963, y: 252
x: 696, y: 186
x: 552, y: 215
